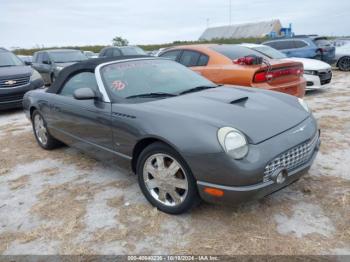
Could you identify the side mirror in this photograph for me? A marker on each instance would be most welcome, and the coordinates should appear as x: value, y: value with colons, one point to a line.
x: 84, y: 93
x: 47, y: 62
x: 28, y: 63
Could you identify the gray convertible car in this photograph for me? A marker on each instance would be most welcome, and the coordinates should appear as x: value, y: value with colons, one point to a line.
x: 185, y: 137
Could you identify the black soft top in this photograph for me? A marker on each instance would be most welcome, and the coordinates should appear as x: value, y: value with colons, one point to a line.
x: 86, y: 65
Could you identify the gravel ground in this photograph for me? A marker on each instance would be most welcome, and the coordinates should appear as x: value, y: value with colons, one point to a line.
x: 64, y: 202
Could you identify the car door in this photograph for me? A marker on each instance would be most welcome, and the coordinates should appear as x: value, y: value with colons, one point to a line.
x: 45, y: 67
x: 303, y: 49
x: 85, y: 124
x: 287, y: 47
x: 38, y: 65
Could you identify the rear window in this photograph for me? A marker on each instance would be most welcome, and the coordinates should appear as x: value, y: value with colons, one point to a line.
x: 171, y: 54
x: 132, y: 50
x: 203, y: 60
x: 281, y: 45
x: 300, y: 44
x: 66, y: 56
x: 322, y: 42
x: 233, y: 52
x: 189, y: 58
x: 270, y: 52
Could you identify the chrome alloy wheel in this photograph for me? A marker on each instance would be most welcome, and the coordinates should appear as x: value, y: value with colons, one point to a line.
x: 40, y: 129
x: 165, y: 179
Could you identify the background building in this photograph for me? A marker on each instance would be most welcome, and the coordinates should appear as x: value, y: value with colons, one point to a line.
x: 249, y: 30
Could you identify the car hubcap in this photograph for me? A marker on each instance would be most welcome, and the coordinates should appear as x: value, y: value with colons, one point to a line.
x: 40, y: 129
x: 345, y: 63
x: 165, y: 179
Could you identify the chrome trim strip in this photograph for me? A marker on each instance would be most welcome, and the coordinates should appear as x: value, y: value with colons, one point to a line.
x: 11, y: 101
x: 99, y: 77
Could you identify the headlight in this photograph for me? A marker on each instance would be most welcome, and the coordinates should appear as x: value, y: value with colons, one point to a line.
x: 59, y: 68
x: 35, y: 75
x: 304, y: 104
x: 233, y: 142
x: 310, y: 72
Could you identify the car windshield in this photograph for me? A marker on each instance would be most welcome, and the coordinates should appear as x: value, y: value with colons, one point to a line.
x: 134, y: 78
x: 269, y: 52
x: 9, y: 59
x: 67, y: 56
x: 132, y: 50
x: 233, y: 51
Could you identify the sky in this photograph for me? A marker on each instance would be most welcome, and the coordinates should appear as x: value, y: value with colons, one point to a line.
x: 30, y: 23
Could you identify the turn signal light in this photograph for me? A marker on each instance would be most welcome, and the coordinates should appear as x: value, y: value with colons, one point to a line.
x: 214, y: 192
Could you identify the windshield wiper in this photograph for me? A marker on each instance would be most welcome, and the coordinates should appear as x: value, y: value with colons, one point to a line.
x: 198, y: 88
x: 6, y: 65
x: 158, y: 94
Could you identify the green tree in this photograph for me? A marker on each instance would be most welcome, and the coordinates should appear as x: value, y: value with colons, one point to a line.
x: 119, y: 41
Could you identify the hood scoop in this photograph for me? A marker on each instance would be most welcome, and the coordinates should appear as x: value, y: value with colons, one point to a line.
x: 239, y: 100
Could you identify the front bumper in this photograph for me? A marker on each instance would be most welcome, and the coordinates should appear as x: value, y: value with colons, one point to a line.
x: 236, y: 195
x: 314, y: 82
x: 11, y: 98
x: 248, y: 178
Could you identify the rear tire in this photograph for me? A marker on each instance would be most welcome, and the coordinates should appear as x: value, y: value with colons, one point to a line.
x: 344, y: 63
x: 166, y: 180
x: 42, y: 135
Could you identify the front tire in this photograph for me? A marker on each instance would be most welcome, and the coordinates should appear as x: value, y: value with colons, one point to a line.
x: 166, y: 180
x: 344, y: 63
x: 42, y: 136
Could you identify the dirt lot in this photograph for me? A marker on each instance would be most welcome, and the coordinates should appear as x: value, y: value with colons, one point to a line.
x: 63, y: 202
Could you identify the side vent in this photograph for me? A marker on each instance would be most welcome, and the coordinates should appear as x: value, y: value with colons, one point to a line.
x: 123, y: 115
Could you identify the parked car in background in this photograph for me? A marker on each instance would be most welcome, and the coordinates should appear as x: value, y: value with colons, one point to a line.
x: 157, y: 52
x: 50, y: 62
x: 342, y: 56
x: 90, y: 54
x: 221, y: 64
x: 341, y: 41
x: 26, y: 59
x: 306, y: 47
x: 116, y: 51
x: 16, y: 79
x: 185, y: 137
x: 318, y: 74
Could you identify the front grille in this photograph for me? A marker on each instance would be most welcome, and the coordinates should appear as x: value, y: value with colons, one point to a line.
x: 11, y: 98
x: 325, y: 77
x: 324, y: 82
x: 14, y: 82
x: 293, y: 158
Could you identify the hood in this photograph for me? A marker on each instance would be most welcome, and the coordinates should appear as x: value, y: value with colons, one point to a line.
x: 310, y: 64
x: 65, y: 64
x: 15, y: 71
x: 259, y: 114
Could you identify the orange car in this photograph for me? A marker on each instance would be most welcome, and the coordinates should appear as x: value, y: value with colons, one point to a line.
x: 238, y: 65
